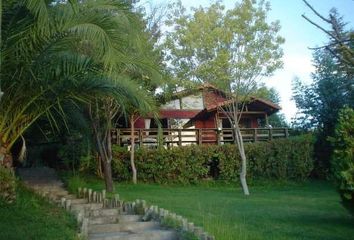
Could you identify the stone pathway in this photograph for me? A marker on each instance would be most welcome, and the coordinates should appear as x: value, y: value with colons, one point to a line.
x: 97, y: 220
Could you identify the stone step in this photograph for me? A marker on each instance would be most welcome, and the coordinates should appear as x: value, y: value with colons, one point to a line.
x: 147, y: 235
x: 53, y: 193
x: 129, y: 218
x: 78, y: 201
x: 85, y: 206
x: 104, y: 212
x: 103, y: 220
x: 61, y: 193
x: 133, y: 227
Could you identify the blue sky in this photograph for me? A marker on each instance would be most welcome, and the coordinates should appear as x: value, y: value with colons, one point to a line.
x: 299, y: 35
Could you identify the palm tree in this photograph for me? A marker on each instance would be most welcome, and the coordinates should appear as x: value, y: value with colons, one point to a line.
x: 54, y: 51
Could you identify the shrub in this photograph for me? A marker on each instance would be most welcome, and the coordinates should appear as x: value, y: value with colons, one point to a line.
x: 343, y: 157
x: 285, y: 159
x: 7, y: 185
x: 74, y: 182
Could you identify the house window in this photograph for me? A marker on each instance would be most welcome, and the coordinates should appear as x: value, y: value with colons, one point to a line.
x: 177, y: 123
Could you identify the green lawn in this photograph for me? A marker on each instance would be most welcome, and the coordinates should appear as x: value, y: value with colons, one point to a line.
x: 284, y: 211
x: 34, y: 218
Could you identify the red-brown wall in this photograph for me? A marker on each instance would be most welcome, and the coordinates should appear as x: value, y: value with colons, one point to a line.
x: 212, y: 98
x: 139, y: 123
x: 208, y: 137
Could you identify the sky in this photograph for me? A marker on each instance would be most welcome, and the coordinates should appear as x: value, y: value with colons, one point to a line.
x: 299, y: 36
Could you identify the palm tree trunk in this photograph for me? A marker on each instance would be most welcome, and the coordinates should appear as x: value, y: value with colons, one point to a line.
x: 5, y: 157
x: 132, y: 149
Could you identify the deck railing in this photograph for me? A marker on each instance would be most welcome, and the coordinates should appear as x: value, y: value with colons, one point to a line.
x: 181, y: 137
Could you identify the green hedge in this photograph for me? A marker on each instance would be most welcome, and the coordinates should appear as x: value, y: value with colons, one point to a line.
x: 342, y: 161
x: 286, y: 159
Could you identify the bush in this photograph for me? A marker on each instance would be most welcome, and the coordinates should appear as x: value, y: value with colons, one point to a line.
x: 74, y: 182
x: 343, y: 157
x: 7, y: 185
x: 287, y: 159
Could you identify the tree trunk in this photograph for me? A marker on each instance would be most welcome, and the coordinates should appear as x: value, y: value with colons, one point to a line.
x: 132, y: 149
x: 107, y: 170
x: 108, y: 163
x: 243, y: 173
x: 103, y: 143
x: 5, y: 157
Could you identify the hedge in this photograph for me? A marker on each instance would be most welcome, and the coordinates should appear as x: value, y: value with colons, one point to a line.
x: 342, y: 161
x: 285, y: 159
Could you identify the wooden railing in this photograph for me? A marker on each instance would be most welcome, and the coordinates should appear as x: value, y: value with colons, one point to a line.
x: 181, y: 137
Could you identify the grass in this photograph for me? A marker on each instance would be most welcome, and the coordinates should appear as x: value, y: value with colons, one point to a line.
x: 31, y: 217
x: 309, y: 210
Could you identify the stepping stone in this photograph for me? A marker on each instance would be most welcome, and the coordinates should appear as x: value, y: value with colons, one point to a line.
x: 78, y: 201
x: 85, y: 206
x: 133, y: 227
x: 103, y: 220
x: 104, y: 212
x: 129, y: 218
x: 147, y: 235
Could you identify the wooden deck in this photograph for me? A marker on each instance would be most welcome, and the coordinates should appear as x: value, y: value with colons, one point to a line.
x: 182, y: 137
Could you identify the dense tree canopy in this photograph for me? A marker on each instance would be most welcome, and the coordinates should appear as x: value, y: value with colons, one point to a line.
x: 91, y: 54
x: 332, y: 89
x: 223, y: 47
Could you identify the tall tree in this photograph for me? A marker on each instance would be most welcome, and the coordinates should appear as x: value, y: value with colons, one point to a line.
x: 74, y: 51
x: 341, y: 42
x: 231, y: 49
x: 333, y: 85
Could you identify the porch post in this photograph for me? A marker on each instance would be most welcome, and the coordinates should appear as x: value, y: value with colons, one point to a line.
x: 118, y: 136
x: 179, y: 137
x: 266, y: 119
x: 255, y: 134
x: 199, y: 132
x: 140, y: 137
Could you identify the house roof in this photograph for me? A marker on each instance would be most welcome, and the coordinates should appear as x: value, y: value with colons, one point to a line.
x: 190, y: 91
x: 272, y: 107
x: 253, y: 100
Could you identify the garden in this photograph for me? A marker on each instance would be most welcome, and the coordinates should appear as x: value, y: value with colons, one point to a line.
x: 171, y: 105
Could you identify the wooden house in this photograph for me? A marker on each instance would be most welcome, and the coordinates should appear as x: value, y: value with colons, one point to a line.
x: 196, y: 116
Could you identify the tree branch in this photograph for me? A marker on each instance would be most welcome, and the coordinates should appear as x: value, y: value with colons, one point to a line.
x: 315, y: 12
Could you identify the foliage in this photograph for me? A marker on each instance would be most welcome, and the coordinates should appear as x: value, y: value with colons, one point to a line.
x: 341, y: 43
x: 42, y: 64
x: 74, y: 182
x: 285, y: 159
x: 320, y: 102
x: 32, y: 217
x: 7, y: 185
x: 172, y: 223
x: 93, y: 56
x: 75, y: 153
x: 342, y: 161
x: 217, y: 46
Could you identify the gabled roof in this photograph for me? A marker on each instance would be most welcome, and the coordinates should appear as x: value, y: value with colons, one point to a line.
x: 274, y: 107
x: 190, y: 91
